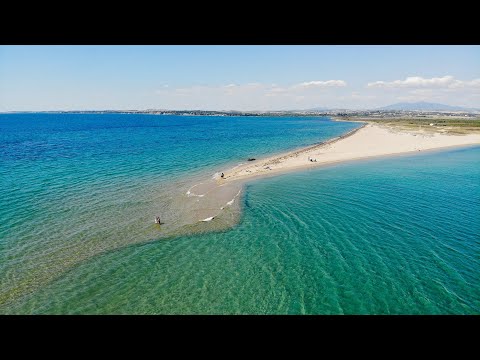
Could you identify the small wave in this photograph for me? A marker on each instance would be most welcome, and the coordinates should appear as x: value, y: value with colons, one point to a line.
x: 231, y: 201
x: 237, y: 166
x: 189, y: 193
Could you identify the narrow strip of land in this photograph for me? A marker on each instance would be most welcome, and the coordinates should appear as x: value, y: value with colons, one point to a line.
x: 370, y: 140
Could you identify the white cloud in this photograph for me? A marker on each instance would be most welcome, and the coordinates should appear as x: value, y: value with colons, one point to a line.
x: 475, y: 83
x: 445, y: 82
x: 327, y: 83
x: 328, y: 93
x: 276, y: 90
x: 251, y: 95
x: 446, y: 90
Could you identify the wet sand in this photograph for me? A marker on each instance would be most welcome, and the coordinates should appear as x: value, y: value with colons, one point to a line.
x: 214, y: 204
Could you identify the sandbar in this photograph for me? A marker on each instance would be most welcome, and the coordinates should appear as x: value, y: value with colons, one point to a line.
x: 370, y: 140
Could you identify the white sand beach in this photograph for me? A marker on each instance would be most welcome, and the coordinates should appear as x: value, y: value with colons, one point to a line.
x: 369, y: 141
x: 207, y: 200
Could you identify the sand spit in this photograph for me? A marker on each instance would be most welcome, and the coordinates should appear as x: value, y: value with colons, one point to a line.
x: 213, y: 201
x: 370, y: 140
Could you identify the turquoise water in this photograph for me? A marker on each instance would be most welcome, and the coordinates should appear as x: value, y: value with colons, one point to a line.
x: 398, y: 235
x: 73, y: 186
x: 388, y: 236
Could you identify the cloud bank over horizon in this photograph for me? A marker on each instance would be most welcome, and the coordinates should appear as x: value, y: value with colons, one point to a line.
x: 446, y: 82
x: 251, y: 96
x: 445, y: 89
x: 322, y: 93
x: 334, y: 93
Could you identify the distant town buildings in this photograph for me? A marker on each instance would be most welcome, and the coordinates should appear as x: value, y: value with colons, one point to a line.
x: 340, y: 113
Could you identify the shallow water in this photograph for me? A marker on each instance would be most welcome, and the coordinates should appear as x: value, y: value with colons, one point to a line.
x: 395, y: 235
x: 73, y: 186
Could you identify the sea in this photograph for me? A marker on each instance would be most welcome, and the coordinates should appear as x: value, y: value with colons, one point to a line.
x: 79, y: 194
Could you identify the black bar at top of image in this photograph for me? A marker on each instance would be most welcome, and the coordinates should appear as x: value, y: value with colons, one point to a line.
x: 340, y: 23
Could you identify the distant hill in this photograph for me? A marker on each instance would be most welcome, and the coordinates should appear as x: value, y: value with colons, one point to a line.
x: 424, y: 106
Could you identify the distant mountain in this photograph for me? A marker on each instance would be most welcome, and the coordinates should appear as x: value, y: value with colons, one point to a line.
x: 424, y: 106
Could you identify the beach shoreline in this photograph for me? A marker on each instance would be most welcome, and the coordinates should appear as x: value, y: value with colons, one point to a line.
x: 368, y: 141
x: 210, y: 198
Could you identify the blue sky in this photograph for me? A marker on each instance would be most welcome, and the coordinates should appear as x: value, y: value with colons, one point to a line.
x: 235, y: 77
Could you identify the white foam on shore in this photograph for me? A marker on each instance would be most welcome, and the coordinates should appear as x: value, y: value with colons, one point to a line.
x: 231, y: 201
x: 189, y: 193
x: 237, y: 166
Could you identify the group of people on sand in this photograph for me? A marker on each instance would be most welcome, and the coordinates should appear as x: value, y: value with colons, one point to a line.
x: 311, y: 159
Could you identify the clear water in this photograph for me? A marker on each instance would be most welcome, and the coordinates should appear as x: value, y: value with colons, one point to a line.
x: 73, y: 186
x: 397, y: 235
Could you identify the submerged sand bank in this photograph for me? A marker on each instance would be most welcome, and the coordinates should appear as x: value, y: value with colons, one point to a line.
x: 371, y: 140
x: 217, y: 199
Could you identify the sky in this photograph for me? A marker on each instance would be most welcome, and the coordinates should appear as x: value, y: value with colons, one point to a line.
x: 261, y: 77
